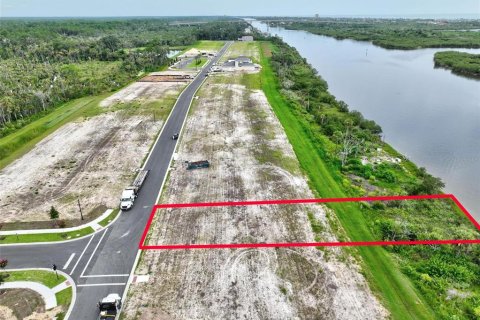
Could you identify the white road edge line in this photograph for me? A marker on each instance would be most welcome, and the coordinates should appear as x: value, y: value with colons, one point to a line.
x: 139, y: 252
x: 81, y: 255
x: 68, y: 261
x: 101, y: 284
x: 94, y: 250
x: 105, y: 275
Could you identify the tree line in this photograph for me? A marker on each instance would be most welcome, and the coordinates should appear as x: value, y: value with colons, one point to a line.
x: 393, y: 33
x: 44, y: 63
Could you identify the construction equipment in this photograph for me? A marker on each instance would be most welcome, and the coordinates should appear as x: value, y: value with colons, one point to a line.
x: 198, y: 165
x: 131, y: 192
x: 110, y: 306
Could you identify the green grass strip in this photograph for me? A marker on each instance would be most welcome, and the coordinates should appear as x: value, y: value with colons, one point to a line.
x: 110, y: 218
x: 384, y: 276
x: 45, y: 237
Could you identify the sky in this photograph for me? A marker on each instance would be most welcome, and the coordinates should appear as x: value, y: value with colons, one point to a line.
x: 109, y: 8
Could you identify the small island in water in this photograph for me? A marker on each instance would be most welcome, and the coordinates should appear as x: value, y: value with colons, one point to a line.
x: 461, y: 63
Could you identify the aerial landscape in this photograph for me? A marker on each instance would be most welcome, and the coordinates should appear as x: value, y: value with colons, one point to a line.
x: 294, y: 160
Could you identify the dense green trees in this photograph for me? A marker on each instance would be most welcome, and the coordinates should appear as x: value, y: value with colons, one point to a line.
x: 44, y: 63
x: 393, y: 33
x: 461, y: 63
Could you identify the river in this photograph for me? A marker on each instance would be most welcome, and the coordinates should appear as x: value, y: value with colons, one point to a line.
x: 428, y: 114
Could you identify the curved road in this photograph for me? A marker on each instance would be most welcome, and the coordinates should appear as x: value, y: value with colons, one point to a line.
x: 101, y: 263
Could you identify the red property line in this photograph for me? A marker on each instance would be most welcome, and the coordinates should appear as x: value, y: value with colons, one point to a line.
x: 305, y: 244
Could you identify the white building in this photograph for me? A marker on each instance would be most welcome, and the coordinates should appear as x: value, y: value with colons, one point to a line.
x: 246, y: 38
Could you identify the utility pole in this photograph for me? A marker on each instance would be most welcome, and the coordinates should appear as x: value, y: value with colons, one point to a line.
x: 80, y: 207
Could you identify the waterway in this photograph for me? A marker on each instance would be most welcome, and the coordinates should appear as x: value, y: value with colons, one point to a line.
x: 428, y: 114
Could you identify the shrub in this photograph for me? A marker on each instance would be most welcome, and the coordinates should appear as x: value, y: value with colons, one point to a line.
x: 476, y: 311
x: 61, y: 223
x: 53, y: 213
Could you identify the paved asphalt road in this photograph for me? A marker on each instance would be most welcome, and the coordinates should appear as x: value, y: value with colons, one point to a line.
x: 102, y: 262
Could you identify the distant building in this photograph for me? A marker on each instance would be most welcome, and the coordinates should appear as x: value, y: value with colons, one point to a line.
x: 246, y: 38
x: 241, y: 61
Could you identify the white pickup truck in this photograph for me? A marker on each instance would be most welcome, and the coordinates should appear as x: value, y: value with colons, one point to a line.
x: 130, y: 193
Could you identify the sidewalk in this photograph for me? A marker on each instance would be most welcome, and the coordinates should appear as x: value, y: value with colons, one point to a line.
x: 47, y: 294
x: 94, y: 224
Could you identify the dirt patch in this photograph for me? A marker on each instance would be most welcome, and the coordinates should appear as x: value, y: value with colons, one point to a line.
x: 194, y: 52
x: 20, y: 303
x: 236, y: 130
x: 91, y: 160
x: 144, y: 91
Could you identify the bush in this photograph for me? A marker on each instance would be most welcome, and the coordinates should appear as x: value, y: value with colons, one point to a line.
x: 3, y: 263
x: 53, y: 213
x: 378, y: 205
x: 61, y: 223
x: 476, y: 311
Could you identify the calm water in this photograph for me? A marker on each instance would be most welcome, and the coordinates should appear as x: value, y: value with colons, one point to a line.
x: 173, y: 53
x: 429, y: 115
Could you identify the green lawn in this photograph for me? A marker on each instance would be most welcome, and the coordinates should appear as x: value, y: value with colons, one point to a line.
x: 48, y: 278
x: 197, y: 64
x: 46, y: 237
x: 110, y: 218
x: 242, y: 48
x: 65, y: 296
x: 384, y: 276
x: 208, y: 45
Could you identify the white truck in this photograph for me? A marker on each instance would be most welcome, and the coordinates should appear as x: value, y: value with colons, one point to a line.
x: 131, y: 192
x: 109, y: 306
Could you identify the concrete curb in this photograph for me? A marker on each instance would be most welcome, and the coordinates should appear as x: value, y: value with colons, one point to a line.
x: 93, y: 224
x: 74, y: 287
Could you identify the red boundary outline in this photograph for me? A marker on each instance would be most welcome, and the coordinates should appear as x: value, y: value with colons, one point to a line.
x: 142, y: 245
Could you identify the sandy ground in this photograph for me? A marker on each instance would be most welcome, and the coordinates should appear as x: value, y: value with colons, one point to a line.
x: 193, y: 52
x: 236, y: 130
x: 7, y: 313
x: 143, y: 91
x: 91, y: 160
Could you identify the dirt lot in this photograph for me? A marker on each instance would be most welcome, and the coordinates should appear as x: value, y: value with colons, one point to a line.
x: 91, y: 160
x: 143, y: 91
x: 236, y: 130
